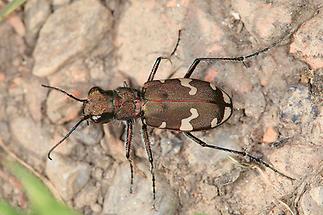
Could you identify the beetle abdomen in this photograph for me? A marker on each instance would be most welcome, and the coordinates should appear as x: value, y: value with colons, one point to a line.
x: 185, y: 104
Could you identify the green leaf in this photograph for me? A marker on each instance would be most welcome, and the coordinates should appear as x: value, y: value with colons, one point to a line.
x: 7, y: 209
x: 9, y: 8
x: 42, y: 201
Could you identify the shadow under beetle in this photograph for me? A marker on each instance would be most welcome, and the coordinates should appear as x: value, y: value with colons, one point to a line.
x: 181, y: 104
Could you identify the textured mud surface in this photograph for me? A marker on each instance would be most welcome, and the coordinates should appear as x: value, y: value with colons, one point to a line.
x: 75, y: 45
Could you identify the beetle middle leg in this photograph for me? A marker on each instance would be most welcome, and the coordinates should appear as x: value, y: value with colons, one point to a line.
x: 237, y: 59
x: 149, y: 154
x: 241, y: 153
x: 128, y: 150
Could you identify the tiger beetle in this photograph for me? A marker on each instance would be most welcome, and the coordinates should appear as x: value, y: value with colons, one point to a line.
x: 180, y: 104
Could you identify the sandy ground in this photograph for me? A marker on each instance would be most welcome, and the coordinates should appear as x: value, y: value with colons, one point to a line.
x: 75, y: 45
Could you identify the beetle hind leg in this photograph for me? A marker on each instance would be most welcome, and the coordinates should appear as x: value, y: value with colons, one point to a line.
x: 149, y: 154
x: 128, y: 150
x: 241, y: 153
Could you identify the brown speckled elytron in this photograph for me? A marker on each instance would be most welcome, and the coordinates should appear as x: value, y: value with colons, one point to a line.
x: 181, y: 104
x: 190, y: 100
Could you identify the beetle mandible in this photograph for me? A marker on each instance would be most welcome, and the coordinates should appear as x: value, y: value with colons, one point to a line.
x: 181, y: 104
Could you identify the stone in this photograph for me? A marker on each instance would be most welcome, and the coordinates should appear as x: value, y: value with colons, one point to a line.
x: 35, y: 15
x: 12, y: 48
x: 60, y: 108
x: 201, y: 156
x: 34, y: 95
x: 69, y: 32
x: 262, y: 18
x: 4, y: 132
x: 96, y: 208
x: 307, y: 43
x: 161, y: 37
x: 312, y: 201
x: 317, y: 195
x: 89, y: 135
x: 16, y: 22
x: 59, y: 3
x: 255, y: 103
x: 118, y: 199
x: 297, y: 106
x: 33, y: 136
x: 68, y: 176
x: 74, y: 76
x: 270, y: 135
x: 170, y: 145
x: 87, y: 196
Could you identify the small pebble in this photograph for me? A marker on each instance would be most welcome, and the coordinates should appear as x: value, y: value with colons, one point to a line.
x: 270, y: 135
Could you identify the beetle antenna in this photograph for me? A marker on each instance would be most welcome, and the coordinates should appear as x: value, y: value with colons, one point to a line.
x: 66, y: 136
x: 66, y: 93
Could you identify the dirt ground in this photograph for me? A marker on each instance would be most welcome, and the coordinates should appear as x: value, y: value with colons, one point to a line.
x: 78, y: 44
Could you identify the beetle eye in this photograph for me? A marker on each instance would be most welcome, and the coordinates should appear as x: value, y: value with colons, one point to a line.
x: 96, y: 118
x: 93, y: 89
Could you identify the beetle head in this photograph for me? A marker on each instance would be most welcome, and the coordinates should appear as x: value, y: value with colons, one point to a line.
x: 99, y: 106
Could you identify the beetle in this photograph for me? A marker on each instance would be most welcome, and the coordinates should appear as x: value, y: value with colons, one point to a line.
x: 180, y: 104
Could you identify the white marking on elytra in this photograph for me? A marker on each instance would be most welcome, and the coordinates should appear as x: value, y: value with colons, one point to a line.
x: 185, y: 123
x: 162, y: 81
x: 213, y: 86
x: 163, y: 125
x: 227, y: 113
x: 226, y: 98
x: 185, y: 82
x: 214, y: 122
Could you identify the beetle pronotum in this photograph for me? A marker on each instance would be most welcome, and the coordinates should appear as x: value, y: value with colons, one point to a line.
x: 182, y: 104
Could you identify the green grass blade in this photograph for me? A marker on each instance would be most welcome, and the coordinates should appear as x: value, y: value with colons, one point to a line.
x: 42, y: 201
x: 13, y: 5
x: 7, y: 209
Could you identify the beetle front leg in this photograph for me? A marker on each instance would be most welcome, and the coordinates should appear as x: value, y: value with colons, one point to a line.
x: 149, y: 154
x: 158, y: 60
x: 241, y: 153
x: 128, y: 150
x: 155, y: 67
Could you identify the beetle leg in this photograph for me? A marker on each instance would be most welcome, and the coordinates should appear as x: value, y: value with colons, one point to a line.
x: 158, y: 60
x: 242, y: 153
x: 149, y: 154
x: 155, y: 67
x: 128, y: 150
x: 238, y: 59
